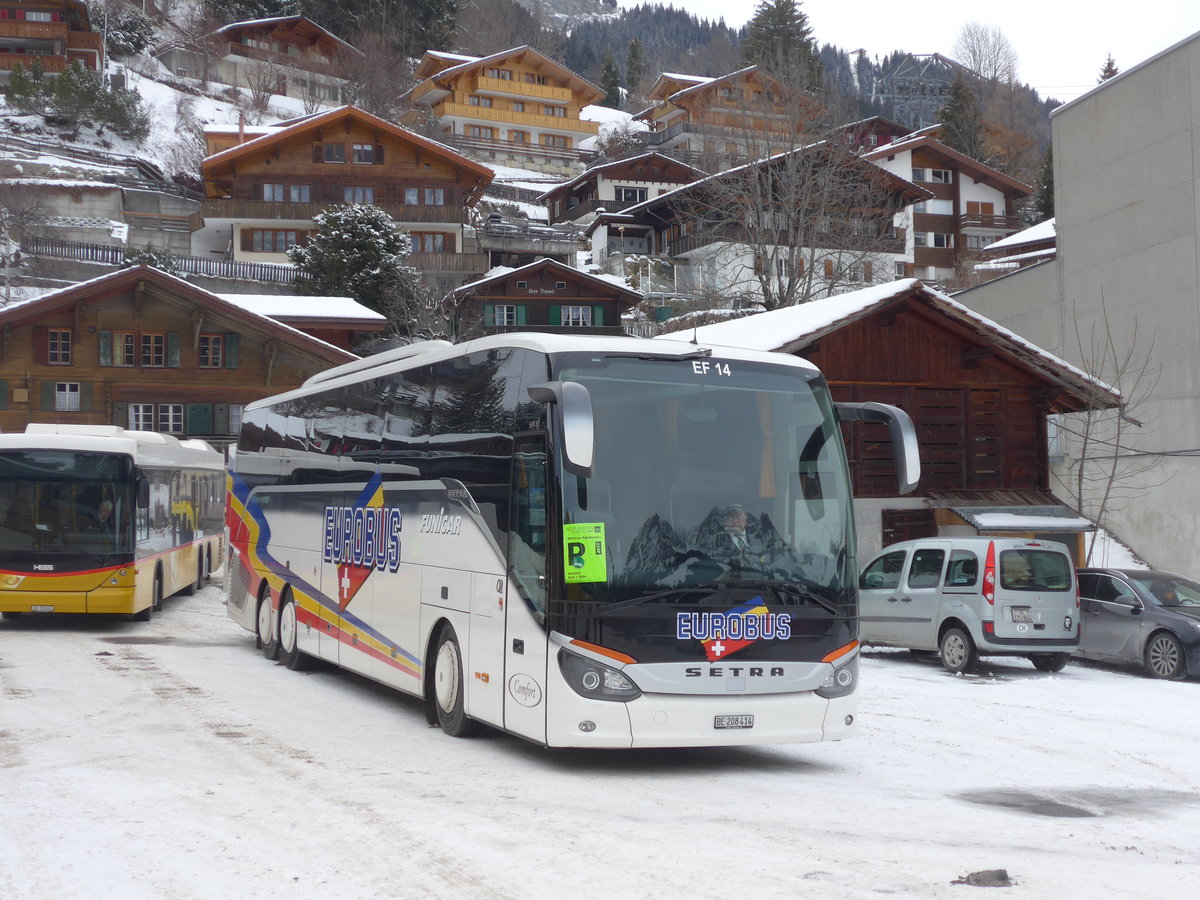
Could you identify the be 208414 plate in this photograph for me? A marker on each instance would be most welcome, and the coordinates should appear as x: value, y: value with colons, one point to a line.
x: 733, y: 721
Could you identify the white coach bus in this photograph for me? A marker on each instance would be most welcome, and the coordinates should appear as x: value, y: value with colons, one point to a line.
x: 583, y: 541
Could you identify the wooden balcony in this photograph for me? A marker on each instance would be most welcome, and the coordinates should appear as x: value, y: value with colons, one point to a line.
x: 85, y: 40
x: 537, y: 93
x: 526, y: 120
x: 977, y: 223
x: 51, y: 65
x: 262, y: 209
x: 450, y: 262
x: 38, y: 31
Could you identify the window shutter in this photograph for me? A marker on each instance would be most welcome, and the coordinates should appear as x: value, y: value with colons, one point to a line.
x: 829, y: 268
x: 489, y: 314
x: 173, y: 349
x: 521, y: 314
x: 21, y: 14
x: 48, y: 390
x: 597, y: 315
x: 3, y: 394
x: 231, y: 350
x: 85, y: 396
x: 318, y: 153
x: 120, y: 414
x: 41, y: 347
x: 379, y: 154
x: 106, y: 356
x: 247, y: 239
x: 555, y: 315
x: 220, y: 418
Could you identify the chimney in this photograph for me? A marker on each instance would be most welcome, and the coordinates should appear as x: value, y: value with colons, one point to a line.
x: 241, y: 127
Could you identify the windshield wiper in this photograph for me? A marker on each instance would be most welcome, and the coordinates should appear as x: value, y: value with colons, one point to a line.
x: 786, y: 589
x: 646, y: 598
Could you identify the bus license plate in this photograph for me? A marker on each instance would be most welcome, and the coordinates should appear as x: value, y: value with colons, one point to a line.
x: 1021, y: 613
x: 733, y: 721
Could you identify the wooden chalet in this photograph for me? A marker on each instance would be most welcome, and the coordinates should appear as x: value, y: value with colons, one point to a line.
x: 517, y: 106
x: 146, y: 350
x: 978, y: 394
x: 542, y: 296
x: 266, y: 190
x: 617, y: 185
x: 53, y: 32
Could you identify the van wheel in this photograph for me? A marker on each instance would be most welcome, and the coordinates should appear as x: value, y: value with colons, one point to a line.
x: 958, y: 652
x: 1164, y: 657
x: 1049, y: 662
x: 448, y: 687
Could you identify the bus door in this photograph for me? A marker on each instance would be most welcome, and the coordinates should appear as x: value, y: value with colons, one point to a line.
x: 525, y: 643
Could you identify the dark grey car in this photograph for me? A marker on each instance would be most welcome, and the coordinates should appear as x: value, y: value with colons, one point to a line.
x: 1141, y: 616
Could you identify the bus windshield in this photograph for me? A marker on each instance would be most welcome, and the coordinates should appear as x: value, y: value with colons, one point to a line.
x: 73, y: 507
x: 708, y: 474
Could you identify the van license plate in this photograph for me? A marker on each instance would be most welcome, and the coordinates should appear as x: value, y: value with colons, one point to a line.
x: 1021, y: 613
x: 733, y: 721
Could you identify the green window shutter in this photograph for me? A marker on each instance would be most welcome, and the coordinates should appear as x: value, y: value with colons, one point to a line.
x: 4, y: 395
x: 597, y: 315
x: 106, y: 348
x: 220, y: 418
x: 231, y: 350
x: 48, y: 391
x: 521, y: 314
x: 489, y: 314
x: 555, y: 315
x: 173, y: 349
x: 86, y: 395
x: 120, y: 414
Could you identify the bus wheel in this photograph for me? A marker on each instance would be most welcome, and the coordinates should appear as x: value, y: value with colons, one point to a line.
x: 448, y: 686
x: 156, y: 603
x: 263, y: 630
x: 289, y: 638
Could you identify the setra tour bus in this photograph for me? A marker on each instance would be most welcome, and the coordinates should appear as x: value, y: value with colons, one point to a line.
x: 98, y: 519
x: 583, y: 541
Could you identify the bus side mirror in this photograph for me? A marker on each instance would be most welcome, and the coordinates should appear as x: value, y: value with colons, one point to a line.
x: 575, y: 404
x: 904, y: 437
x: 143, y: 491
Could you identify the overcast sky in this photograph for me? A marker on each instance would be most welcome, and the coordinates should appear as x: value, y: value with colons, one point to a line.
x: 1061, y: 44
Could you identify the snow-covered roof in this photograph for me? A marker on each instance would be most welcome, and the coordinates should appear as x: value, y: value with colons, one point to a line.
x: 1015, y: 518
x: 498, y: 272
x: 794, y: 327
x: 290, y: 306
x: 1015, y: 261
x: 1034, y: 234
x: 624, y: 161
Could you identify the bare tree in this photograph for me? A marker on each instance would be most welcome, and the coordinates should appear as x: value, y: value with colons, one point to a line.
x: 375, y: 78
x: 1104, y: 470
x: 264, y: 78
x: 985, y: 50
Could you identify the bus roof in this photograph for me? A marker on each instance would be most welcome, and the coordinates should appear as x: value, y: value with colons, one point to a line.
x: 425, y: 352
x: 146, y: 448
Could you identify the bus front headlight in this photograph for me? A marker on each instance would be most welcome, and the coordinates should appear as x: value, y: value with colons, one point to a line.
x: 596, y: 681
x: 841, y: 681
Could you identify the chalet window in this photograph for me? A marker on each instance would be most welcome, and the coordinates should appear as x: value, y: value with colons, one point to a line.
x: 357, y: 194
x: 412, y: 196
x: 66, y: 396
x: 170, y: 418
x: 154, y: 350
x: 730, y: 94
x: 560, y: 285
x: 899, y: 268
x: 272, y: 193
x: 123, y: 344
x: 476, y: 100
x: 522, y: 285
x: 501, y: 74
x: 630, y: 194
x: 506, y: 314
x: 270, y: 241
x: 435, y: 196
x: 33, y: 15
x: 518, y: 106
x: 919, y: 175
x: 557, y: 112
x: 941, y: 240
x: 58, y: 347
x: 429, y: 242
x: 299, y: 193
x: 519, y: 137
x: 783, y: 267
x: 141, y: 416
x: 368, y: 153
x: 335, y: 153
x: 235, y: 417
x: 555, y: 140
x: 212, y: 351
x: 576, y: 316
x: 941, y: 176
x: 479, y: 131
x: 531, y: 78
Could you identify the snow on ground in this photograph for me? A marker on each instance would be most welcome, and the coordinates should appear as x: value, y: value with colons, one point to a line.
x: 170, y: 760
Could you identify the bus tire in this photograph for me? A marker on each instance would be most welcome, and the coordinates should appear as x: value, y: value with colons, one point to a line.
x: 289, y: 637
x: 157, y: 601
x: 449, y: 687
x: 264, y: 626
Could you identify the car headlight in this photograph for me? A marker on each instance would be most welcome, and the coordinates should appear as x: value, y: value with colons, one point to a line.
x: 841, y: 681
x: 596, y: 681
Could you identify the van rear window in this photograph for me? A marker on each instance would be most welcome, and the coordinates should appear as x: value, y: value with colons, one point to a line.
x: 1034, y: 570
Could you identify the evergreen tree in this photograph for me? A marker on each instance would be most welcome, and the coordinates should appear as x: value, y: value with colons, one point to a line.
x: 127, y: 30
x: 962, y: 124
x: 635, y: 66
x: 150, y: 255
x: 610, y: 83
x: 357, y: 250
x: 1043, y: 200
x: 779, y: 39
x: 27, y: 89
x: 1110, y: 70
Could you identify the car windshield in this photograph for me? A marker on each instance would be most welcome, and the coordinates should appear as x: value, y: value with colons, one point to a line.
x: 1169, y: 590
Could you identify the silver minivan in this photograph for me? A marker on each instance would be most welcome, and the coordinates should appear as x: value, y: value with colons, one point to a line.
x: 963, y: 597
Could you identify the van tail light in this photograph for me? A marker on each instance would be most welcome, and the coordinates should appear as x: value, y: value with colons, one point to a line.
x: 989, y: 574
